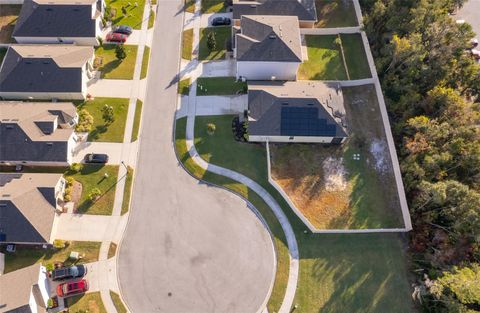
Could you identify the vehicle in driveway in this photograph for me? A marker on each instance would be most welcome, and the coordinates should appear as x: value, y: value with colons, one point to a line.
x: 96, y: 158
x: 72, y: 288
x: 221, y: 21
x: 75, y: 271
x: 116, y: 37
x: 122, y: 29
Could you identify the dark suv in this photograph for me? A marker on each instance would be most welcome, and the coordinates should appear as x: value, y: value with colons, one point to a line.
x: 75, y: 271
x: 221, y: 21
x: 122, y: 29
x: 96, y: 158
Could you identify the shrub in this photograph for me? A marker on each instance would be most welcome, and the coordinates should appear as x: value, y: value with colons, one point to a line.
x: 108, y: 114
x: 211, y: 128
x: 59, y: 244
x: 49, y: 267
x: 85, y: 121
x: 69, y: 180
x: 94, y: 194
x: 100, y: 41
x: 120, y: 52
x: 211, y: 41
x: 76, y: 167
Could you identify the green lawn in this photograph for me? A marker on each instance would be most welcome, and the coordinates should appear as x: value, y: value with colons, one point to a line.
x: 187, y: 44
x: 93, y: 176
x: 117, y: 302
x: 355, y: 56
x: 335, y: 13
x: 189, y: 6
x: 354, y: 273
x: 151, y: 19
x: 128, y: 191
x: 184, y: 87
x: 145, y: 60
x: 110, y: 67
x: 219, y: 86
x: 136, y: 120
x: 222, y: 36
x: 324, y: 59
x: 26, y: 256
x: 134, y: 14
x: 112, y: 250
x: 100, y: 131
x: 213, y: 6
x: 89, y: 302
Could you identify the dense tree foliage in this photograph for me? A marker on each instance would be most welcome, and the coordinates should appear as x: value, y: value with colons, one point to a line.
x: 432, y: 89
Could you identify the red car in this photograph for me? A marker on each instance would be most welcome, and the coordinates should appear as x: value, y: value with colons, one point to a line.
x: 116, y: 37
x: 72, y: 288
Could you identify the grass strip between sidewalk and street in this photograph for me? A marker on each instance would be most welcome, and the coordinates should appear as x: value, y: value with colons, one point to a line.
x: 151, y: 19
x: 145, y: 61
x: 136, y: 120
x: 187, y: 44
x: 112, y: 250
x: 117, y: 302
x: 128, y: 191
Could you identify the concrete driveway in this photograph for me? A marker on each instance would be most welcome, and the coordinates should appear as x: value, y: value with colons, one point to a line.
x: 187, y: 247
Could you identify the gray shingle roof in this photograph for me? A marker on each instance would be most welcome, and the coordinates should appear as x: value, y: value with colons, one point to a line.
x: 54, y: 20
x: 269, y: 38
x: 304, y: 9
x: 304, y: 108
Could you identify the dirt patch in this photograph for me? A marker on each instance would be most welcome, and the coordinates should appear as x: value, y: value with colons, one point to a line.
x: 378, y: 149
x: 76, y: 194
x: 8, y: 18
x: 334, y: 174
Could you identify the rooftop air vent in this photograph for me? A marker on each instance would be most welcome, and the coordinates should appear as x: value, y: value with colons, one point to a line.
x: 272, y: 36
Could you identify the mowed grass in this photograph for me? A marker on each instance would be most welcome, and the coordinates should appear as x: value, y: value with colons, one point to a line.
x: 128, y: 191
x: 324, y: 59
x: 90, y: 302
x: 112, y: 250
x: 117, y: 302
x: 355, y: 56
x: 335, y: 13
x: 8, y: 18
x: 189, y: 6
x: 220, y: 86
x: 134, y: 16
x: 136, y: 120
x: 25, y: 256
x: 112, y: 68
x: 151, y: 19
x: 106, y: 132
x: 184, y: 87
x: 103, y: 177
x: 187, y: 44
x: 222, y: 36
x: 213, y: 6
x: 145, y: 61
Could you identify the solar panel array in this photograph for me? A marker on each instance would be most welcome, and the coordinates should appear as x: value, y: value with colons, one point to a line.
x: 297, y: 121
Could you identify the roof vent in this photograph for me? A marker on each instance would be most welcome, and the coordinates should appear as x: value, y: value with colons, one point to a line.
x: 9, y: 127
x: 284, y: 103
x: 49, y: 9
x: 272, y: 36
x: 253, y: 5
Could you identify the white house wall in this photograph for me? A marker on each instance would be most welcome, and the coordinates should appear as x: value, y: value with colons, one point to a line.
x: 32, y: 303
x: 43, y: 284
x: 267, y: 70
x: 44, y: 95
x: 304, y: 139
x: 11, y: 1
x: 80, y: 41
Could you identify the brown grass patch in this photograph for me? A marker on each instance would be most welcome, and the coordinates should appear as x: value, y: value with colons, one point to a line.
x: 8, y: 18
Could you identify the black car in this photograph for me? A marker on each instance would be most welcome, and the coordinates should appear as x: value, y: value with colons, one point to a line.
x: 220, y: 21
x: 76, y: 271
x: 96, y: 158
x: 122, y: 29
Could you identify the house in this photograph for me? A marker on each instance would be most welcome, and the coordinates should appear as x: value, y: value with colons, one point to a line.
x: 302, y: 111
x: 304, y: 10
x: 37, y: 133
x: 29, y: 204
x: 60, y: 21
x: 46, y: 72
x: 26, y: 290
x: 268, y: 48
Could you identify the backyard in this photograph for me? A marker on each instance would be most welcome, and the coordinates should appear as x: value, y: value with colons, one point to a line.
x: 101, y: 177
x: 110, y: 67
x: 8, y: 18
x: 90, y: 302
x: 220, y: 86
x: 26, y: 256
x: 222, y: 37
x: 102, y: 131
x: 134, y: 12
x: 335, y: 13
x: 355, y: 56
x: 347, y: 186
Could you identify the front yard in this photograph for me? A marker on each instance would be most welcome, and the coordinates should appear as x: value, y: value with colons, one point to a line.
x: 8, y: 18
x: 101, y: 177
x: 335, y: 13
x: 110, y: 67
x: 26, y: 256
x: 213, y: 6
x: 220, y: 86
x: 134, y: 12
x: 222, y: 37
x: 102, y: 131
x: 90, y: 302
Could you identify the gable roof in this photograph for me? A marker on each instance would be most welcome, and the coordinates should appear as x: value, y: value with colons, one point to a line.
x: 269, y: 38
x: 28, y: 204
x: 302, y: 108
x: 16, y: 288
x: 304, y: 10
x: 44, y: 68
x: 55, y: 19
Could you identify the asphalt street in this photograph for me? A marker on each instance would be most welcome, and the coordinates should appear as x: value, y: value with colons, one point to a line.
x: 470, y: 12
x: 188, y: 247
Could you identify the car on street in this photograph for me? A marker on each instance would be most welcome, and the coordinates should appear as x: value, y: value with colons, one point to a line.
x: 63, y: 273
x: 72, y: 288
x: 221, y: 21
x: 116, y: 37
x: 122, y: 29
x: 96, y: 158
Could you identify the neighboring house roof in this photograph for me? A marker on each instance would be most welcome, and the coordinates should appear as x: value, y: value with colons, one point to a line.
x: 17, y: 287
x: 55, y: 19
x: 269, y: 39
x: 27, y: 205
x: 44, y: 68
x: 304, y: 10
x: 302, y: 108
x: 34, y: 131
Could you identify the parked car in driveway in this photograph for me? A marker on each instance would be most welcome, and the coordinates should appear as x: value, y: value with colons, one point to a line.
x: 122, y: 29
x: 72, y: 288
x: 221, y: 21
x: 75, y: 271
x: 116, y: 37
x: 96, y: 158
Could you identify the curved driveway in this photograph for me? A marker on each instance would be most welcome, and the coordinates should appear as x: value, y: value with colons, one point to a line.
x: 187, y: 247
